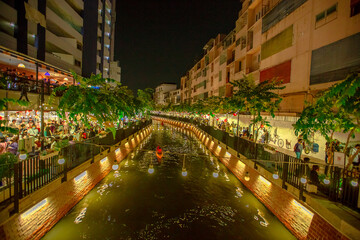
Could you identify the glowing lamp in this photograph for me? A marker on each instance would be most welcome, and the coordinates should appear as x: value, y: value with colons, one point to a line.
x: 20, y: 65
x: 80, y: 176
x: 66, y: 79
x: 115, y: 167
x: 234, y: 114
x: 215, y: 174
x: 247, y: 176
x: 61, y: 160
x: 276, y: 174
x: 103, y: 160
x: 151, y: 169
x: 22, y: 156
x: 354, y: 183
x: 184, y: 172
x: 303, y: 180
x: 35, y: 208
x: 47, y: 74
x: 326, y: 180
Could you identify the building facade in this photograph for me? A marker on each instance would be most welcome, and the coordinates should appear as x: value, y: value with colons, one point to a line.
x: 63, y: 33
x: 162, y: 93
x: 308, y: 44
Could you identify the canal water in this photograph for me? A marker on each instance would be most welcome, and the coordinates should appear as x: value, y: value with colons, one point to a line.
x: 208, y: 203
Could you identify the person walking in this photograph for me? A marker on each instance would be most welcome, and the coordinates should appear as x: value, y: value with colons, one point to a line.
x: 299, y: 146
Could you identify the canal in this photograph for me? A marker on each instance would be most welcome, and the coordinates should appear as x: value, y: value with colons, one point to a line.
x: 207, y: 203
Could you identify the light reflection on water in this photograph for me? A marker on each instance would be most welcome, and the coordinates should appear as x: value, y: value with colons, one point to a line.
x: 130, y: 203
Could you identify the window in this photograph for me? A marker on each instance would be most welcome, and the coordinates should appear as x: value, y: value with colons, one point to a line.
x: 77, y: 63
x: 78, y: 46
x: 212, y: 67
x: 220, y: 76
x: 320, y: 16
x: 331, y: 10
x: 354, y: 7
x: 240, y: 66
x: 212, y: 81
x: 326, y: 16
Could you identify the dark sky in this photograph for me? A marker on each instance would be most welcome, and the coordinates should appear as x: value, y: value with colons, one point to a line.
x: 158, y: 40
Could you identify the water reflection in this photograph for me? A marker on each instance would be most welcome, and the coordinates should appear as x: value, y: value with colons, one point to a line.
x: 131, y: 203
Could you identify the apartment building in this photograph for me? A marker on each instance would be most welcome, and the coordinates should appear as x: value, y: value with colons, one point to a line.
x: 174, y: 97
x: 162, y: 93
x: 69, y: 34
x: 308, y: 44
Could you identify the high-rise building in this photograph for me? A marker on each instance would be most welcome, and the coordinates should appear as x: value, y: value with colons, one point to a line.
x: 69, y: 34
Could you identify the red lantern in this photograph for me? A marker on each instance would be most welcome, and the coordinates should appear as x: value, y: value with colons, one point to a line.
x: 225, y: 120
x: 234, y: 114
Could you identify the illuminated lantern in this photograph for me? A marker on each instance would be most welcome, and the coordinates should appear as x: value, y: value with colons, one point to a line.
x: 276, y: 174
x: 61, y: 160
x: 247, y: 176
x: 234, y: 114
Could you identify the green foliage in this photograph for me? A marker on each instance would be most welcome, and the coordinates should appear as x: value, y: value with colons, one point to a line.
x: 336, y: 110
x: 6, y: 162
x: 256, y: 98
x: 103, y: 105
x: 144, y: 100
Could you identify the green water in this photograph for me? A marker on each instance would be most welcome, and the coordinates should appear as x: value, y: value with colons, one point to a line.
x: 131, y: 203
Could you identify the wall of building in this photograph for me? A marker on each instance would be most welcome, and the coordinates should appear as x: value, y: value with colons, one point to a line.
x: 62, y: 197
x: 286, y: 39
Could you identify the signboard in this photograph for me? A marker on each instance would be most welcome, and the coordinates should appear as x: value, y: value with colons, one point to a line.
x: 339, y: 159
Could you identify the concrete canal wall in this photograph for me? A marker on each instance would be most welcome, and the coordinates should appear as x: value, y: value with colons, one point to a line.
x: 303, y: 221
x: 40, y: 211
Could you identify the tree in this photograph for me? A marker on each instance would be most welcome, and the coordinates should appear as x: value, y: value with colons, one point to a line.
x: 145, y: 100
x: 256, y: 98
x: 335, y: 110
x: 94, y: 100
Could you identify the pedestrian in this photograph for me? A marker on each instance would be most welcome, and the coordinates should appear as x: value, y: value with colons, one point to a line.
x: 299, y: 146
x: 314, y: 176
x: 13, y: 146
x: 3, y: 145
x: 354, y: 157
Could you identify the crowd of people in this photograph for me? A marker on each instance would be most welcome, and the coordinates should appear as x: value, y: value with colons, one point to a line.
x: 55, y: 132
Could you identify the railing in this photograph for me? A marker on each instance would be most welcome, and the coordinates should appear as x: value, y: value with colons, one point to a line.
x: 23, y: 178
x: 289, y: 168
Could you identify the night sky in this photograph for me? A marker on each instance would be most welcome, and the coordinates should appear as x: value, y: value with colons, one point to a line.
x: 158, y: 40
